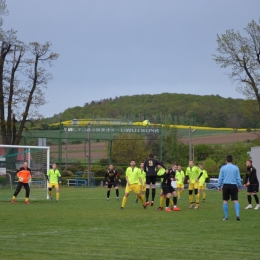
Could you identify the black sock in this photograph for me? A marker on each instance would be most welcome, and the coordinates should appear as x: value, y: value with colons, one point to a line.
x: 117, y: 192
x: 175, y: 201
x: 256, y: 199
x: 249, y: 198
x: 147, y: 194
x: 108, y: 193
x: 153, y: 193
x: 167, y: 202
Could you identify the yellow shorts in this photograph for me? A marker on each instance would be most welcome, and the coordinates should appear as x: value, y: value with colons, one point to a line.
x: 53, y: 185
x: 180, y: 186
x: 133, y: 187
x: 202, y: 187
x: 142, y: 188
x: 193, y: 186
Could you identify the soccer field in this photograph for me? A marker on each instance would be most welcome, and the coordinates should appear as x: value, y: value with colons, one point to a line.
x: 86, y: 226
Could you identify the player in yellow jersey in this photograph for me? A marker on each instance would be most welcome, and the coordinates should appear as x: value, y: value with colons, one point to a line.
x: 202, y: 182
x: 142, y: 186
x: 192, y: 176
x: 54, y: 179
x: 180, y: 181
x: 132, y: 183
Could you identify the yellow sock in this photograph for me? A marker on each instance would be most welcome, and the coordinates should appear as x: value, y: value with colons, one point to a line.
x: 204, y: 195
x: 57, y: 195
x: 161, y: 201
x: 191, y: 199
x: 141, y: 199
x: 179, y: 194
x: 50, y: 193
x: 124, y: 201
x: 197, y: 196
x: 143, y: 196
x: 171, y: 202
x: 13, y: 198
x: 26, y: 199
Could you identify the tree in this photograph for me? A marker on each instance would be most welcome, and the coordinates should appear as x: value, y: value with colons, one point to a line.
x: 242, y: 55
x: 127, y: 147
x: 22, y: 79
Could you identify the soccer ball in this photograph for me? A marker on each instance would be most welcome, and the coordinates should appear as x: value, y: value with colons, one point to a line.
x: 146, y: 123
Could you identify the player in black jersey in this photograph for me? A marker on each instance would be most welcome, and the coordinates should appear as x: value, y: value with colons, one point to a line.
x: 167, y: 188
x: 252, y: 184
x: 151, y: 174
x: 111, y: 180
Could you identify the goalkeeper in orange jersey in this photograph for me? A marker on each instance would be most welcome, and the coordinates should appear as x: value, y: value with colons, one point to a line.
x: 54, y: 179
x: 24, y: 177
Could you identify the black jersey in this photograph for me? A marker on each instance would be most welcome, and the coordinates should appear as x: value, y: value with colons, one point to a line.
x: 166, y: 182
x: 172, y: 173
x: 150, y: 167
x: 251, y: 175
x: 111, y: 176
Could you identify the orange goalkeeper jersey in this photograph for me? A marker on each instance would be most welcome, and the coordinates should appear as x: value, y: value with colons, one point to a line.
x: 25, y: 174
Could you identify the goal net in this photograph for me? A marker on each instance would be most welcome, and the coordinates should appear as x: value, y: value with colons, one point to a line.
x: 12, y: 158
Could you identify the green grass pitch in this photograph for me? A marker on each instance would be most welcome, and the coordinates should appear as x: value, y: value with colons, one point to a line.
x: 86, y: 226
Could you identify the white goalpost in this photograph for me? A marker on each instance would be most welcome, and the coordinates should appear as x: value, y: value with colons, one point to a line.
x: 12, y: 158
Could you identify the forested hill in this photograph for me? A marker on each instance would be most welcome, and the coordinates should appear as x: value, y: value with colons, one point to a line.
x: 186, y: 109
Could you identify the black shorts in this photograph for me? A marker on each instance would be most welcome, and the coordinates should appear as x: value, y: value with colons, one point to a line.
x: 253, y: 188
x: 110, y: 184
x: 150, y: 179
x: 172, y: 189
x: 230, y: 190
x: 166, y: 190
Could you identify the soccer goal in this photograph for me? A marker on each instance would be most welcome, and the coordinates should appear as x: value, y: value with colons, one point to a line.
x: 12, y: 158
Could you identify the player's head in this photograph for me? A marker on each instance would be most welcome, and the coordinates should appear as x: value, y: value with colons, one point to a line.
x: 201, y: 166
x: 229, y: 158
x: 179, y: 168
x: 111, y: 167
x: 132, y: 163
x: 142, y: 165
x: 150, y: 156
x: 175, y: 166
x: 54, y: 166
x: 25, y: 164
x: 191, y: 163
x: 249, y: 163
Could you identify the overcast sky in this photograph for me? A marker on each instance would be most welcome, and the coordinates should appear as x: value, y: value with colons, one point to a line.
x: 124, y: 47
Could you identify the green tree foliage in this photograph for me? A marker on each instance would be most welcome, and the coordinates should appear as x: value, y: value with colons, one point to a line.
x: 202, y: 151
x: 185, y: 109
x: 127, y: 147
x: 211, y: 166
x: 241, y: 55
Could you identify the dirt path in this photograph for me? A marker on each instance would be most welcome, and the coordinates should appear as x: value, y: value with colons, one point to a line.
x: 223, y: 138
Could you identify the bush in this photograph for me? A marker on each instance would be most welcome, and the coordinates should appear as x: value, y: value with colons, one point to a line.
x: 76, y: 142
x: 211, y: 166
x: 66, y: 173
